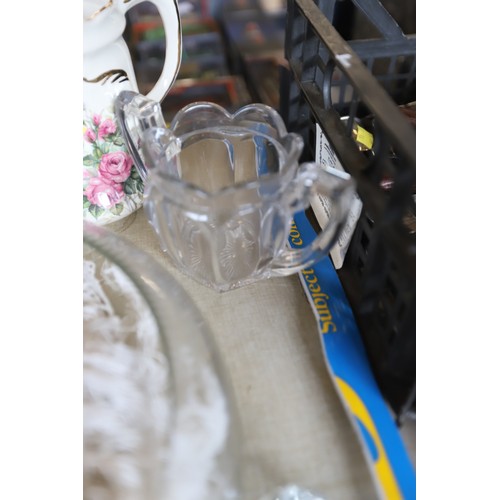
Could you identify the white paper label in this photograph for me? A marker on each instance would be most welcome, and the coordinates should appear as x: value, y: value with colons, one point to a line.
x: 326, y: 158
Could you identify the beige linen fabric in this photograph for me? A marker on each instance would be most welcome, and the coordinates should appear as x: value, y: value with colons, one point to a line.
x: 294, y: 427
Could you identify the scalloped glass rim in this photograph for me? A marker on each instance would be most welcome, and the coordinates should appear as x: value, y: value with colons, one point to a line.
x: 204, y: 111
x: 192, y: 119
x: 199, y: 114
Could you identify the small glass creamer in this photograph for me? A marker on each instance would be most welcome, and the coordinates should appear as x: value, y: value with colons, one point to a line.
x: 221, y: 189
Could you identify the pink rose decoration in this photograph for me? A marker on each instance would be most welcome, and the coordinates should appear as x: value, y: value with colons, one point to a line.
x: 96, y: 119
x: 104, y: 193
x: 115, y: 166
x: 89, y: 135
x: 107, y: 127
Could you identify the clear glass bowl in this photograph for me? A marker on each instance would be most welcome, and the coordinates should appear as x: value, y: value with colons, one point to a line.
x: 158, y: 414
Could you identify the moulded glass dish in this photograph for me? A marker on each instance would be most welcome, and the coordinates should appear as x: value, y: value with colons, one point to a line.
x: 158, y: 414
x: 221, y: 189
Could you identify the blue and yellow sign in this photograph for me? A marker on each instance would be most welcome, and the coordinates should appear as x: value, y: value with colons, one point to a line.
x: 347, y: 359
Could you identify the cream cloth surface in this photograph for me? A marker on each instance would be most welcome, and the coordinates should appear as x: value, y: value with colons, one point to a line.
x: 293, y: 424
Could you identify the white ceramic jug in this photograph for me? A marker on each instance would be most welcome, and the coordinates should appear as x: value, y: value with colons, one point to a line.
x: 112, y: 188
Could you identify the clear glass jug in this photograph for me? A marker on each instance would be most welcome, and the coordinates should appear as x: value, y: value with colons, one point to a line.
x: 221, y: 189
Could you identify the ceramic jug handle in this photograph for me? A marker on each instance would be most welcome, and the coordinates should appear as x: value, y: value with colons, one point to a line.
x: 339, y: 188
x: 169, y: 13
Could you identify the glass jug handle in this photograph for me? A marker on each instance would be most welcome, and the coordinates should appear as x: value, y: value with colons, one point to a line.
x: 135, y: 114
x: 339, y: 187
x: 171, y: 19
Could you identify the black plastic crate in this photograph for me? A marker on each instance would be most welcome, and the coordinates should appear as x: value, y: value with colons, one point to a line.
x: 336, y: 83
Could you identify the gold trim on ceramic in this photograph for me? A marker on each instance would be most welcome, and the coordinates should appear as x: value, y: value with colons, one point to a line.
x: 119, y: 75
x: 179, y: 46
x: 98, y: 11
